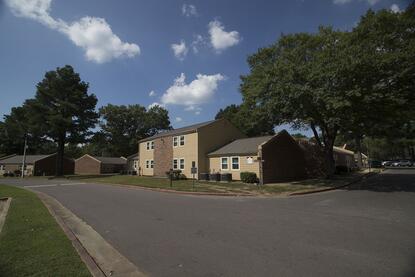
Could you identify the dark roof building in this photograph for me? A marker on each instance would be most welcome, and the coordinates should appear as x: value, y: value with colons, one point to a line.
x: 93, y: 165
x: 37, y: 165
x: 244, y: 146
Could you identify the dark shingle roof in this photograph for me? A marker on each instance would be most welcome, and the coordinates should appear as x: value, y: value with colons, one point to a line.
x: 133, y: 157
x: 110, y: 160
x: 241, y: 146
x: 187, y: 129
x: 30, y: 159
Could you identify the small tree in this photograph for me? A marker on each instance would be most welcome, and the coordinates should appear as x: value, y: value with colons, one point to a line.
x: 62, y: 110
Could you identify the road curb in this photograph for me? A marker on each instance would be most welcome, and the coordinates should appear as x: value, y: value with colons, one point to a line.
x: 101, y: 258
x: 358, y: 179
x: 178, y: 191
x: 4, y: 211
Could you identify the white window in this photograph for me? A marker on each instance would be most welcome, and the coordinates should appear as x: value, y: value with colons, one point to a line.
x: 235, y: 163
x: 147, y: 164
x: 181, y: 164
x: 152, y: 145
x: 224, y: 164
x: 148, y: 145
x: 181, y: 140
x: 175, y: 164
x: 175, y: 141
x: 152, y: 164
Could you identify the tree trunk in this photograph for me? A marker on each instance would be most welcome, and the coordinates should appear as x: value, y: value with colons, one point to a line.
x: 60, y: 155
x: 330, y: 164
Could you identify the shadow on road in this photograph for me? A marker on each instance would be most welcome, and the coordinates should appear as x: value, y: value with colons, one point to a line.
x: 389, y: 181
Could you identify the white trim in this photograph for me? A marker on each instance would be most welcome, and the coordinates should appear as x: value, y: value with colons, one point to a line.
x: 180, y: 164
x: 151, y: 164
x: 239, y: 163
x: 227, y: 163
x: 180, y: 140
x: 177, y: 141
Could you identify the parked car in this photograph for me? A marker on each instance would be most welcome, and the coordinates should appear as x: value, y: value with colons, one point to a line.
x: 387, y: 163
x: 403, y: 163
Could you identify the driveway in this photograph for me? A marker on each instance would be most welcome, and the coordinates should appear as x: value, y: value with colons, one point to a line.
x: 366, y: 230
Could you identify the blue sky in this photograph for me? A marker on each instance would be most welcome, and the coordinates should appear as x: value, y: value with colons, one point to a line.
x: 189, y: 53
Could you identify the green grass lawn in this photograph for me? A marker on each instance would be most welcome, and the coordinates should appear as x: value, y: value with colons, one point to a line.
x: 32, y: 243
x: 232, y: 187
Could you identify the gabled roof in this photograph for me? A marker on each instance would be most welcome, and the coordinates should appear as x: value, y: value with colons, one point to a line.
x: 133, y: 157
x: 107, y: 160
x: 18, y: 159
x: 241, y: 146
x: 179, y: 131
x: 111, y: 160
x: 342, y: 150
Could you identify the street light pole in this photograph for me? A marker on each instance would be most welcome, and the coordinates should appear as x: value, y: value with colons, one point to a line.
x: 24, y: 155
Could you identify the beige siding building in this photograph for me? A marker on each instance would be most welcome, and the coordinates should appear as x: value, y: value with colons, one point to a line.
x: 184, y: 148
x: 272, y: 158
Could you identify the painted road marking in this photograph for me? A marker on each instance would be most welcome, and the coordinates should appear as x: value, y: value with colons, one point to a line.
x: 54, y: 185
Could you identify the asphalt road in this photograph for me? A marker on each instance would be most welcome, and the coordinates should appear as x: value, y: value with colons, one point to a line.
x: 366, y: 230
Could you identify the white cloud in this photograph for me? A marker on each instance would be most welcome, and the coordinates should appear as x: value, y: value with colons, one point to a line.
x: 189, y: 10
x: 395, y: 8
x: 219, y: 38
x: 152, y: 93
x: 92, y: 34
x: 341, y: 2
x: 197, y: 112
x: 199, y: 91
x: 180, y: 50
x: 154, y: 104
x: 198, y: 41
x: 178, y: 119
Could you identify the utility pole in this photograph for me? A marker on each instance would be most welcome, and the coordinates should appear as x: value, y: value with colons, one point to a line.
x: 24, y: 155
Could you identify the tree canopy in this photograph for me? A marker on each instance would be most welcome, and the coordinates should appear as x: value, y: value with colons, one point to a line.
x: 122, y: 126
x: 251, y: 122
x: 62, y: 110
x: 334, y: 81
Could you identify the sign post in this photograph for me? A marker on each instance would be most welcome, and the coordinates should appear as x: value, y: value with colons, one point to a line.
x: 194, y: 171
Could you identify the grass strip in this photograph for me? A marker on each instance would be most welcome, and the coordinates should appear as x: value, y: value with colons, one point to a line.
x: 32, y: 243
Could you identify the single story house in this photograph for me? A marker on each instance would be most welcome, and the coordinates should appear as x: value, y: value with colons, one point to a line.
x: 88, y: 164
x: 273, y: 158
x: 344, y: 158
x: 133, y: 165
x: 35, y: 165
x: 184, y: 148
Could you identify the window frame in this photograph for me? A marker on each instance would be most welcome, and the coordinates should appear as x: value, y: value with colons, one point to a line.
x: 147, y: 164
x: 180, y: 163
x: 152, y: 145
x: 175, y: 141
x: 180, y: 140
x: 227, y: 163
x: 151, y: 164
x: 239, y: 163
x: 177, y: 164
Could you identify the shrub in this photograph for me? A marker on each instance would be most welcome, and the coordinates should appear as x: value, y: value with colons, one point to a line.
x: 5, y: 174
x: 17, y: 172
x: 176, y: 174
x: 249, y: 177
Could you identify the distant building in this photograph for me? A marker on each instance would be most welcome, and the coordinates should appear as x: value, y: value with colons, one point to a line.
x: 133, y: 164
x: 88, y: 164
x: 35, y: 165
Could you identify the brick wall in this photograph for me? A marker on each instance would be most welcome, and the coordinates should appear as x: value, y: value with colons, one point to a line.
x: 283, y: 159
x: 163, y: 155
x: 47, y: 166
x: 87, y: 165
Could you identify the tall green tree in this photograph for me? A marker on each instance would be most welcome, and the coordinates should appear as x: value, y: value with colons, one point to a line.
x: 252, y: 122
x: 62, y: 110
x: 296, y: 81
x: 16, y: 128
x: 122, y: 127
